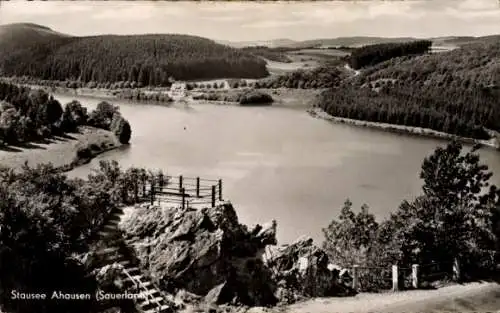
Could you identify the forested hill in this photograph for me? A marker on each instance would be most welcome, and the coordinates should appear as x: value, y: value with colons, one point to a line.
x: 36, y: 51
x: 374, y: 54
x: 456, y: 92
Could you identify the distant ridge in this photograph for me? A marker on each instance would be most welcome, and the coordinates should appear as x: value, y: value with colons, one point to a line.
x: 356, y: 41
x: 33, y: 25
x: 28, y: 49
x: 267, y: 43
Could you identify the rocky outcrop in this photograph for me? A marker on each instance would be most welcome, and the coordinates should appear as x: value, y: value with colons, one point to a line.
x: 301, y: 271
x: 206, y: 252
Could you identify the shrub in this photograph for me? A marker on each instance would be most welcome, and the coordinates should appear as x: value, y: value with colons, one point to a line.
x: 255, y: 97
x: 83, y: 153
x: 121, y: 128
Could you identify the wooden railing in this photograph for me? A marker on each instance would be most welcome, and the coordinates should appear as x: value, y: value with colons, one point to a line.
x: 183, y: 190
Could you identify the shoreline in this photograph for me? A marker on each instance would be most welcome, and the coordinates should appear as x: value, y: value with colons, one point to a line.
x: 492, y: 143
x: 62, y: 152
x: 285, y: 98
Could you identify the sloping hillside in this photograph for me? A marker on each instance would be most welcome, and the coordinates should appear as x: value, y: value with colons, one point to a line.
x: 463, y: 40
x: 38, y: 52
x: 456, y: 92
x: 25, y: 34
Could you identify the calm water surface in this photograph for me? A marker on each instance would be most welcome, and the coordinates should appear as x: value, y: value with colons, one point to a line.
x: 277, y: 163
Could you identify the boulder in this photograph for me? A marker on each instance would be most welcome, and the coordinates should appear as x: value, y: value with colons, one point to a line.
x: 206, y: 252
x: 302, y: 271
x: 109, y: 276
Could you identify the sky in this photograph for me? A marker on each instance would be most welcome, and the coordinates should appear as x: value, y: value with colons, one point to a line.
x: 251, y: 21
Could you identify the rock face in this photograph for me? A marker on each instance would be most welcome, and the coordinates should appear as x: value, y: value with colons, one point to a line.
x: 301, y: 270
x: 206, y: 252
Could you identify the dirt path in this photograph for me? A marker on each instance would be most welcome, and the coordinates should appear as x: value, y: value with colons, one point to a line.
x: 478, y: 297
x: 349, y: 68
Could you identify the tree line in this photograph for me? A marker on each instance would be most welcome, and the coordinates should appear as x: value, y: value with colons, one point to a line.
x: 243, y: 97
x: 457, y: 215
x: 373, y: 54
x: 145, y: 60
x: 451, y: 111
x: 455, y: 92
x: 31, y: 115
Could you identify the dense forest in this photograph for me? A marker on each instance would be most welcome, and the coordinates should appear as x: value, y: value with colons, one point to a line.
x: 147, y: 60
x: 374, y: 54
x: 456, y: 92
x: 32, y: 115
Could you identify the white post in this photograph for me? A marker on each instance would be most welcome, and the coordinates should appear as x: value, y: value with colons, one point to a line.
x: 414, y: 276
x: 355, y: 277
x: 395, y: 278
x: 456, y: 270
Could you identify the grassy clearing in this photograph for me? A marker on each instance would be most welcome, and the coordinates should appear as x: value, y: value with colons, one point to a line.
x: 61, y: 151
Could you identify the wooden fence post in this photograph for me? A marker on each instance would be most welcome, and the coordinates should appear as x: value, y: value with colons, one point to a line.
x: 456, y: 270
x: 220, y: 189
x: 160, y: 179
x: 144, y: 187
x: 180, y: 183
x: 414, y: 276
x: 213, y: 196
x: 183, y: 198
x: 136, y: 191
x: 197, y: 186
x: 355, y: 277
x: 152, y: 191
x: 395, y: 278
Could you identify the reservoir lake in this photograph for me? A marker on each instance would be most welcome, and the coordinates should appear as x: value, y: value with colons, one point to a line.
x: 276, y: 162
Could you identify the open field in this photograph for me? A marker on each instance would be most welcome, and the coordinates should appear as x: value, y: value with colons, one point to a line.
x: 304, y: 59
x: 278, y: 68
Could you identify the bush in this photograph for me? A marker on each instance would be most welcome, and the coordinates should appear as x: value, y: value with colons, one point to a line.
x: 255, y: 97
x: 121, y: 128
x: 83, y: 153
